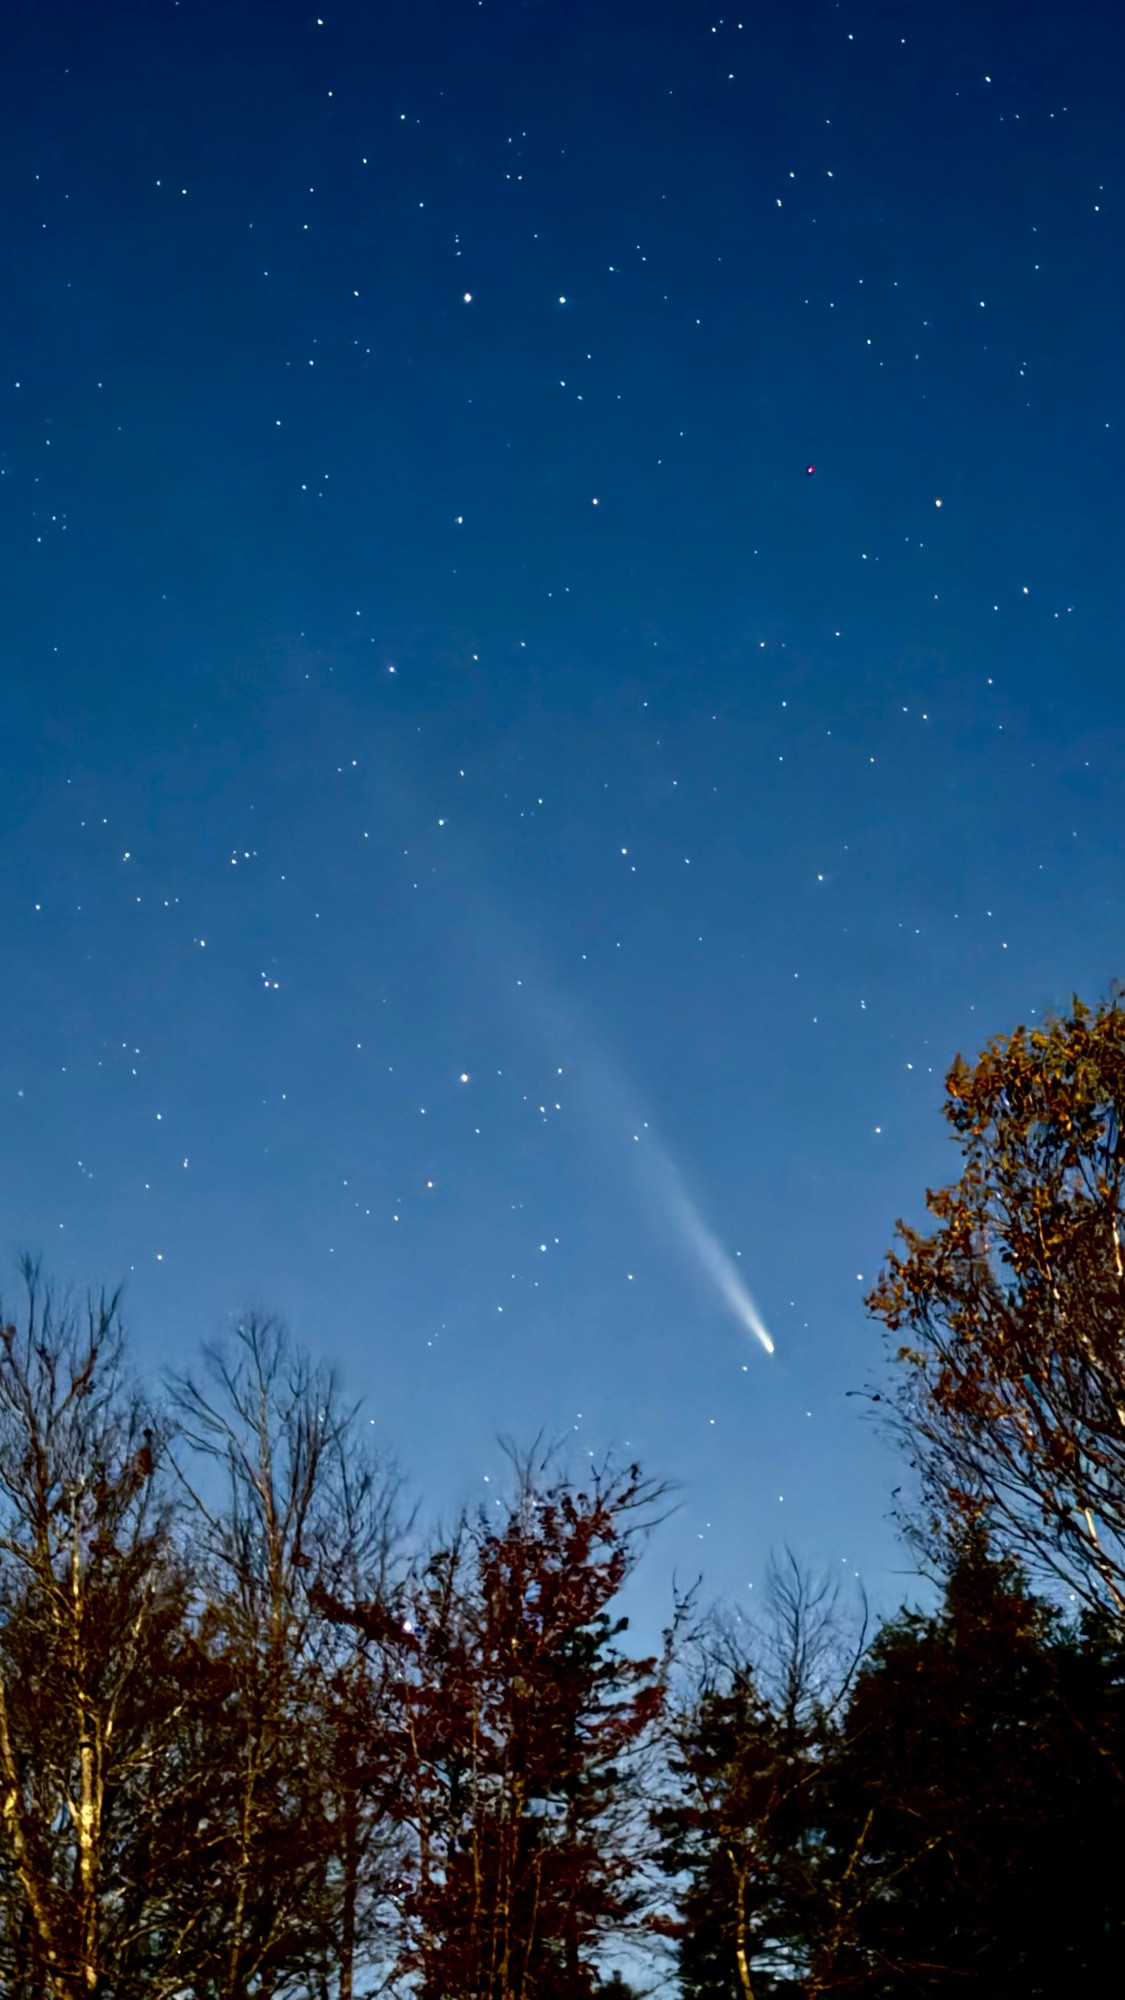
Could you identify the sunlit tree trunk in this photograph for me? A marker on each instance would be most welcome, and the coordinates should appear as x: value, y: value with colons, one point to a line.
x: 741, y: 1953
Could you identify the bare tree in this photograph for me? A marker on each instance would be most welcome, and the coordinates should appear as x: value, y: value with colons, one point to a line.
x: 92, y: 1644
x: 302, y: 1511
x: 812, y: 1642
x: 751, y: 1736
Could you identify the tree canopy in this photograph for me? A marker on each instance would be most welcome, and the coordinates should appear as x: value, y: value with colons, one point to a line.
x: 1012, y: 1390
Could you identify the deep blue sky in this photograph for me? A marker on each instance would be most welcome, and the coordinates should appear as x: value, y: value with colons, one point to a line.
x: 426, y: 656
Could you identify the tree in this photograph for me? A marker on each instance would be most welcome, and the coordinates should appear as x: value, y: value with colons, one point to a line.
x: 751, y: 1742
x: 1013, y: 1393
x: 93, y: 1646
x: 978, y: 1781
x: 952, y: 1824
x: 286, y: 1863
x: 741, y: 1808
x: 518, y: 1722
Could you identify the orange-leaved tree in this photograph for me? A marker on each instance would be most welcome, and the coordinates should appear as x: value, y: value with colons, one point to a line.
x: 1012, y: 1389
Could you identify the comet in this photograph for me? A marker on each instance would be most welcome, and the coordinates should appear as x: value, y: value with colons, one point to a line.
x: 612, y: 1109
x: 612, y: 1105
x: 702, y: 1246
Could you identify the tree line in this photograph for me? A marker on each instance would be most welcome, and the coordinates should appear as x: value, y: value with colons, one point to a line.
x: 260, y: 1737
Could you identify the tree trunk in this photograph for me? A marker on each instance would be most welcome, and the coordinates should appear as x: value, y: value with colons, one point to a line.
x: 33, y: 1888
x: 351, y: 1875
x: 742, y: 1957
x: 89, y: 1817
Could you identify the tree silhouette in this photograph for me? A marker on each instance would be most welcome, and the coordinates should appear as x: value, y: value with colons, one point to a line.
x: 752, y: 1741
x: 981, y: 1760
x: 255, y: 1747
x: 953, y: 1826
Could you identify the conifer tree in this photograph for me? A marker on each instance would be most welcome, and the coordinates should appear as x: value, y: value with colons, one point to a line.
x: 519, y: 1722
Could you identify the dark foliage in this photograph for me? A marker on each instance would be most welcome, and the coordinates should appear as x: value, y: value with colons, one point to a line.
x: 983, y: 1751
x: 958, y: 1828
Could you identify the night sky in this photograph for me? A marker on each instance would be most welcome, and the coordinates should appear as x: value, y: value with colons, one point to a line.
x: 561, y: 656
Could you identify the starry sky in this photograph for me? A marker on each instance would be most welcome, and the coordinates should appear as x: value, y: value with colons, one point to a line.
x: 561, y: 656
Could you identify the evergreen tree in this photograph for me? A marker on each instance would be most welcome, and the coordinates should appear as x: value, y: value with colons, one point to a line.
x: 519, y: 1722
x: 954, y: 1827
x: 979, y: 1781
x: 742, y: 1832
